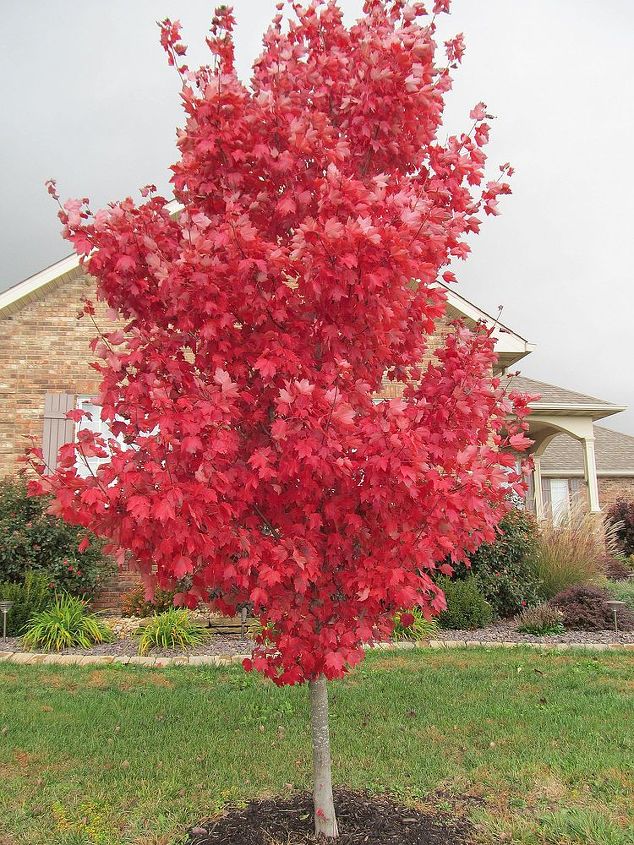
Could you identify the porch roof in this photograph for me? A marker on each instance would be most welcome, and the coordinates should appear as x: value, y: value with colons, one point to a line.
x: 614, y: 453
x: 558, y: 401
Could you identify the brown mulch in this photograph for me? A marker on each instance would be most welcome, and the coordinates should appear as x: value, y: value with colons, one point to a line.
x: 363, y: 819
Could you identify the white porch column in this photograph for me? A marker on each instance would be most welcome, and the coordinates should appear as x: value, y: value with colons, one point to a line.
x: 590, y: 471
x: 537, y: 487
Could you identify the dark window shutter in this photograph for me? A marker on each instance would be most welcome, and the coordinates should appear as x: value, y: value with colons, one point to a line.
x: 577, y: 489
x: 57, y: 429
x: 530, y: 493
x: 546, y: 497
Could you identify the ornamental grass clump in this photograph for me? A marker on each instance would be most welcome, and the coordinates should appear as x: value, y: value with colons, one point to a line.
x: 572, y: 552
x: 67, y: 624
x: 412, y: 625
x: 173, y: 629
x: 541, y: 621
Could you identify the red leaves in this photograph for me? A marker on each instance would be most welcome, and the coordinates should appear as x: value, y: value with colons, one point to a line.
x: 251, y: 463
x: 406, y: 619
x: 139, y: 507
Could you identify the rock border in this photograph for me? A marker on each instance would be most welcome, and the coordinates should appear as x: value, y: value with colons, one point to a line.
x: 30, y: 658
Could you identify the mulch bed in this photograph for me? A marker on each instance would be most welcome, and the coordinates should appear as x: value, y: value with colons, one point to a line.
x: 363, y: 819
x: 213, y: 645
x: 505, y: 632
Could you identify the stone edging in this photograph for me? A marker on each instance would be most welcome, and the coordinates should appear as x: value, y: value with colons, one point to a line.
x: 29, y: 658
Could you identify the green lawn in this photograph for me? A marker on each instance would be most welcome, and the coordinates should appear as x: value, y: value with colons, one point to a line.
x: 127, y: 755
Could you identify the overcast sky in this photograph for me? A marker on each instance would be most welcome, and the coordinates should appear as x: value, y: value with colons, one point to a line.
x: 87, y: 98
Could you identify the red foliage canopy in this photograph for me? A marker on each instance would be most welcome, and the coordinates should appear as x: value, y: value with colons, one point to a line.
x: 253, y: 463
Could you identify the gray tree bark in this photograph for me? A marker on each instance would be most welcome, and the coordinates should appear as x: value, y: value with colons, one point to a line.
x: 325, y: 818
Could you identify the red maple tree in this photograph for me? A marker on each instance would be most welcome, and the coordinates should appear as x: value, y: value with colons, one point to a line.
x: 251, y: 462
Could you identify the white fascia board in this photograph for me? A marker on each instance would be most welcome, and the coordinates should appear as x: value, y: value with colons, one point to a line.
x: 569, y: 407
x: 506, y: 339
x: 579, y: 473
x: 33, y: 283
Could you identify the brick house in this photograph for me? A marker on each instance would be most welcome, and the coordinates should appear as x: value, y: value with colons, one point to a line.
x: 45, y: 371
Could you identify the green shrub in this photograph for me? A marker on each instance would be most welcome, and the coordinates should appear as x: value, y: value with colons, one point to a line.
x: 571, y: 553
x: 622, y: 591
x: 173, y: 629
x: 33, y: 540
x: 419, y: 629
x: 28, y: 598
x: 133, y: 603
x: 67, y: 624
x: 505, y: 570
x: 541, y: 621
x: 466, y: 606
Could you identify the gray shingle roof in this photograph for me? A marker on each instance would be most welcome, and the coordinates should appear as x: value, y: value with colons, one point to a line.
x: 614, y: 452
x: 550, y: 394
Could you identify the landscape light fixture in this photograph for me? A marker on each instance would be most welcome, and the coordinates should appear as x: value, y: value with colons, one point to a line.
x: 5, y: 607
x: 615, y: 607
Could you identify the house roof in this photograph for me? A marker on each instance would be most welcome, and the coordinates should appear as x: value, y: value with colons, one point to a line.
x: 613, y: 451
x: 553, y: 399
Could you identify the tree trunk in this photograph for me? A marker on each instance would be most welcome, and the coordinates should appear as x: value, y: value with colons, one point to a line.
x: 325, y: 819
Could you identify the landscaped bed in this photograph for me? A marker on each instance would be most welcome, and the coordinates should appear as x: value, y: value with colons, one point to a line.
x: 227, y: 645
x: 506, y: 631
x: 528, y: 747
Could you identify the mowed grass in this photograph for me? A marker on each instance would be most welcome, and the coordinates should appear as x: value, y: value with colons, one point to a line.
x: 534, y: 747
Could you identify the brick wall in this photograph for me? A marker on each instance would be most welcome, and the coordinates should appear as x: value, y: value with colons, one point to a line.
x: 391, y: 389
x: 611, y: 489
x: 43, y: 348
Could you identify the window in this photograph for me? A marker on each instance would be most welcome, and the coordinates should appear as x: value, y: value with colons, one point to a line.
x: 95, y: 424
x: 559, y: 499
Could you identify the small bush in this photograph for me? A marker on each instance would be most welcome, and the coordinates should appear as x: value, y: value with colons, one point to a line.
x: 466, y: 606
x: 417, y: 629
x: 134, y: 603
x: 504, y: 570
x: 622, y: 591
x: 29, y: 598
x: 31, y: 540
x: 621, y: 516
x: 173, y: 629
x: 541, y: 621
x: 67, y: 624
x: 585, y: 609
x: 617, y: 568
x: 571, y: 553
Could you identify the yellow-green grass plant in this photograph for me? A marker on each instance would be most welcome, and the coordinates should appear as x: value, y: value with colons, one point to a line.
x: 66, y: 624
x: 175, y: 628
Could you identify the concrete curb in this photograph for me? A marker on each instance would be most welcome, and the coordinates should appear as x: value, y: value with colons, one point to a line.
x: 29, y: 658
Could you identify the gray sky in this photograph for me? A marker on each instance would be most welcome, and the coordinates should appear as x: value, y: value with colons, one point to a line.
x: 88, y: 99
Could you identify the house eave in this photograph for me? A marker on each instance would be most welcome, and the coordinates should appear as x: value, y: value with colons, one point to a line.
x: 578, y: 473
x: 558, y: 409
